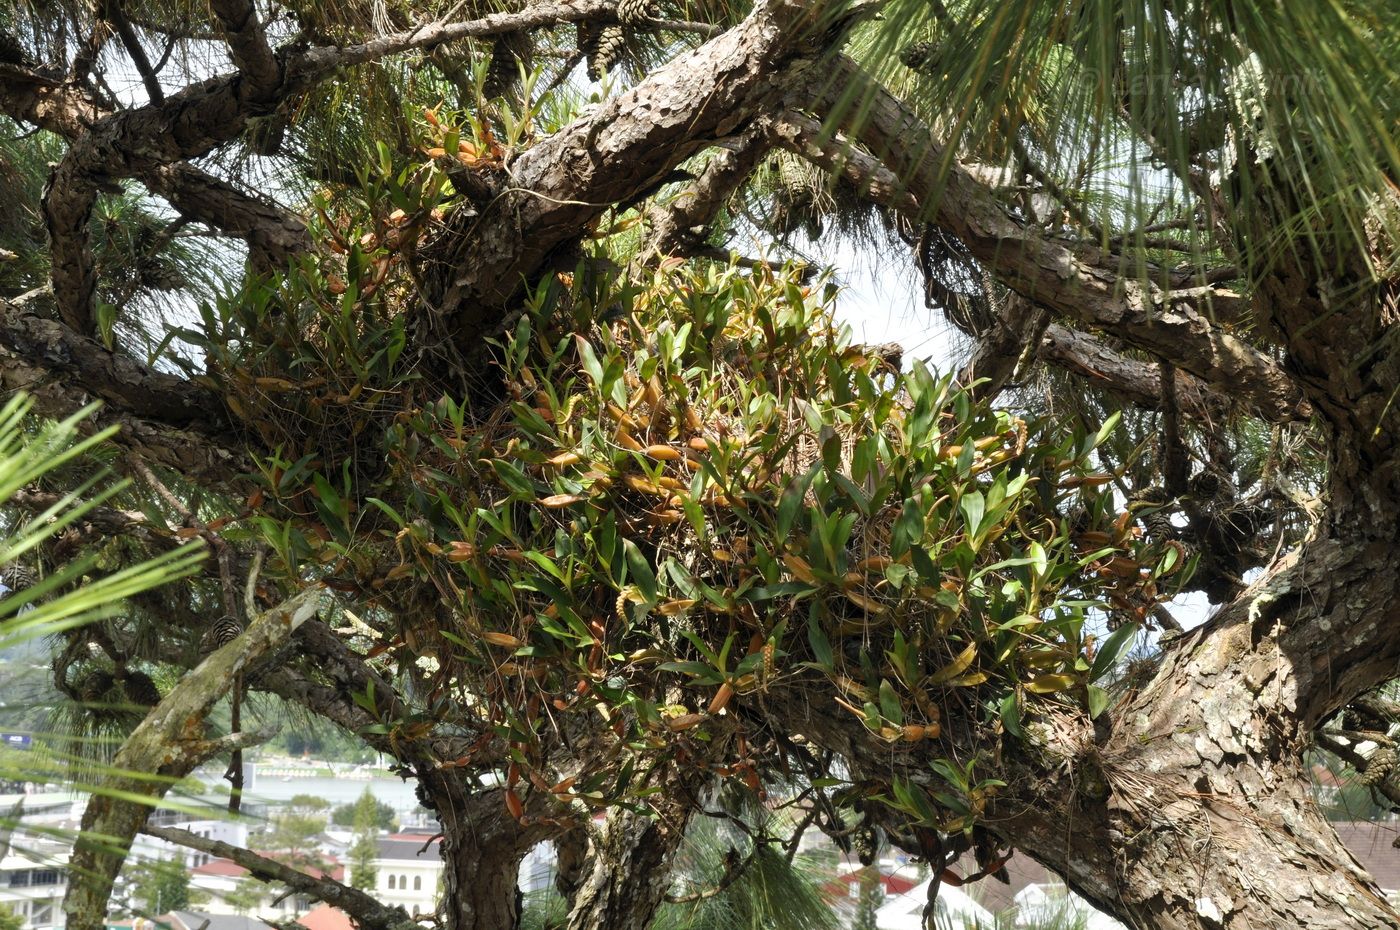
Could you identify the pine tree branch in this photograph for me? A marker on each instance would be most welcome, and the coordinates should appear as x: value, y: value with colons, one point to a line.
x: 113, y: 13
x: 681, y: 226
x: 362, y: 907
x: 168, y: 420
x: 275, y: 236
x: 1139, y: 382
x: 166, y: 746
x: 247, y: 43
x: 1077, y: 281
x: 1009, y: 347
x: 203, y: 116
x: 610, y: 155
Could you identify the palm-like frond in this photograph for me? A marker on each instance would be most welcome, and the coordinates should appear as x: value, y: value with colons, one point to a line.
x: 77, y: 593
x: 1292, y: 106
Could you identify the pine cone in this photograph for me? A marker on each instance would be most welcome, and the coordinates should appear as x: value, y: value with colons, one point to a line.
x: 501, y: 72
x: 587, y: 41
x: 224, y: 631
x: 917, y: 55
x: 634, y: 11
x: 423, y: 796
x: 18, y: 577
x: 139, y: 688
x: 94, y: 687
x: 865, y: 846
x: 1379, y: 766
x: 612, y: 41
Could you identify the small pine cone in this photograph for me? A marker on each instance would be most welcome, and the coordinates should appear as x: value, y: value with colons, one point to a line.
x: 864, y: 844
x: 1379, y: 767
x: 916, y: 55
x: 423, y: 797
x: 501, y: 72
x: 94, y: 687
x: 612, y: 41
x: 587, y: 41
x: 18, y: 577
x: 634, y: 11
x: 224, y: 631
x: 140, y: 689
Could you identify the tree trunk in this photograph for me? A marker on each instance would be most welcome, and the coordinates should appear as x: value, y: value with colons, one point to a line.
x: 482, y: 846
x: 1189, y: 803
x: 630, y: 867
x: 1196, y: 808
x: 165, y: 747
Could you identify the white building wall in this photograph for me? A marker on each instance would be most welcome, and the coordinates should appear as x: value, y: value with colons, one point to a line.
x: 33, y: 888
x: 412, y: 884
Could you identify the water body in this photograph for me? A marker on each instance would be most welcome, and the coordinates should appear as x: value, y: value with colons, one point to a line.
x: 274, y: 791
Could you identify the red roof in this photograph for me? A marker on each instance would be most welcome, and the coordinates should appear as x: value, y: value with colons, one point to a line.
x: 1327, y: 778
x: 325, y: 917
x: 894, y: 884
x: 1373, y: 845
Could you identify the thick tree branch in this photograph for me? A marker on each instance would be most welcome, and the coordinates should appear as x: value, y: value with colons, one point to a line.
x: 247, y: 42
x: 682, y: 225
x: 164, y: 748
x: 623, y: 148
x: 837, y: 154
x: 203, y: 116
x: 168, y: 420
x: 363, y: 908
x: 1130, y: 378
x: 1009, y: 346
x: 116, y: 378
x: 1079, y: 352
x: 275, y: 236
x: 105, y: 521
x: 1077, y: 281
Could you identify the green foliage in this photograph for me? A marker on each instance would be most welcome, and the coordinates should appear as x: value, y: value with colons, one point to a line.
x: 362, y: 853
x: 872, y: 897
x: 25, y: 459
x: 293, y: 839
x: 9, y: 920
x: 713, y: 496
x: 769, y: 892
x: 160, y: 886
x: 82, y: 591
x: 246, y: 895
x: 366, y: 813
x: 1138, y: 96
x: 308, y: 802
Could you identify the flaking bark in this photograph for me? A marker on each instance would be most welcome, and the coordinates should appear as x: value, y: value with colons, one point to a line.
x: 166, y: 746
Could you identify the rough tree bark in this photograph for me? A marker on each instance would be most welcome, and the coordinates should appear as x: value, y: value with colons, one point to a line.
x: 1187, y: 805
x: 482, y: 847
x: 1209, y: 817
x: 168, y: 745
x: 630, y: 865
